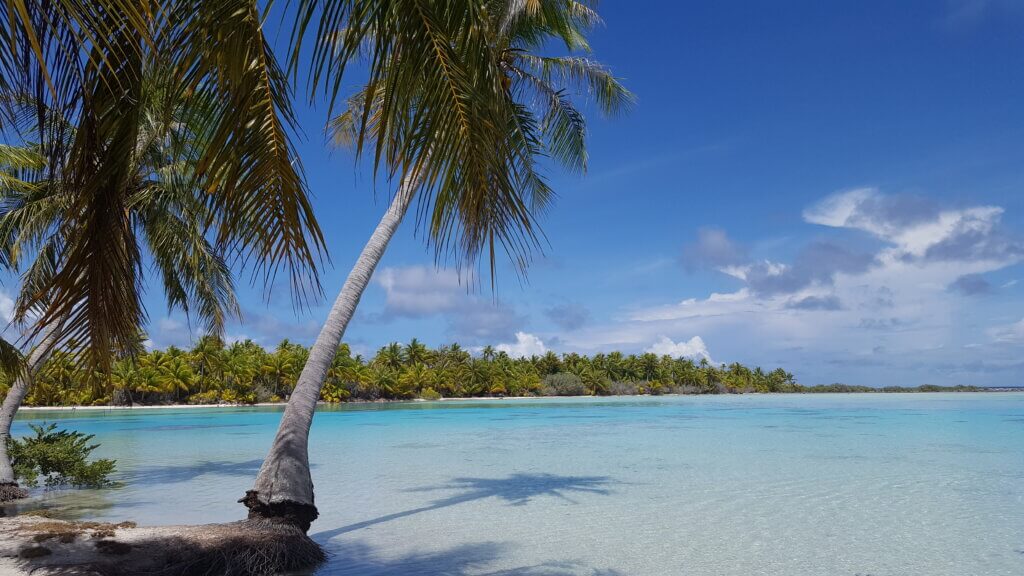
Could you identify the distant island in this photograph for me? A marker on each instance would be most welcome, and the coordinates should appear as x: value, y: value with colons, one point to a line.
x: 244, y: 372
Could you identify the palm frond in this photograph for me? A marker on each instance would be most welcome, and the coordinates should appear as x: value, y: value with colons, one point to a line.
x: 11, y: 360
x: 435, y: 106
x: 584, y: 75
x: 258, y: 198
x: 93, y: 61
x: 528, y: 24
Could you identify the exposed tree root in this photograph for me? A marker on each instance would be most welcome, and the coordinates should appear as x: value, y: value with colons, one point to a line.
x: 246, y: 548
x: 10, y: 491
x: 250, y: 547
x: 300, y: 515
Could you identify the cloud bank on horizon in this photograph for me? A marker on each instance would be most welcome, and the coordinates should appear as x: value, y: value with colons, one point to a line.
x: 896, y: 282
x: 900, y: 304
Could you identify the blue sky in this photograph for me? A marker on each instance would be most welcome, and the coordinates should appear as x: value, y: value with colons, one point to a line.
x: 831, y: 187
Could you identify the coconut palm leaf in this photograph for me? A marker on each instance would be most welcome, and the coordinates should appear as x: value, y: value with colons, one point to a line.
x: 11, y: 360
x: 88, y: 60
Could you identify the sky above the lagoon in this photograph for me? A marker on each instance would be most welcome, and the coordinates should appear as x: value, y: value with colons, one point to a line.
x: 831, y: 187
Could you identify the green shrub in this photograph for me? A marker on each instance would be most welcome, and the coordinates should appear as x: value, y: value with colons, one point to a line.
x: 58, y: 458
x: 334, y: 393
x: 233, y: 397
x: 563, y: 384
x: 619, y: 388
x: 430, y: 394
x: 208, y: 397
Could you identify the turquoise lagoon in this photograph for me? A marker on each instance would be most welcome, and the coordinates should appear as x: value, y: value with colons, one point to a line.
x: 794, y: 485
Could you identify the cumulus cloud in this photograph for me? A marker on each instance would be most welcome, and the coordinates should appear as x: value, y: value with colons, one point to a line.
x: 268, y: 329
x: 713, y: 249
x: 568, y: 316
x: 817, y: 264
x: 1009, y: 333
x: 868, y: 210
x: 421, y: 291
x: 6, y: 307
x: 263, y: 328
x: 897, y: 304
x: 970, y: 285
x: 481, y: 321
x: 170, y: 331
x: 692, y: 348
x: 917, y: 229
x: 526, y: 345
x: 829, y: 302
x: 881, y: 323
x: 417, y: 291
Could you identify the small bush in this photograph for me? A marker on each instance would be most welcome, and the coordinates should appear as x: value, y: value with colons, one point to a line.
x: 430, y: 394
x: 262, y: 393
x: 208, y: 397
x: 334, y: 393
x: 59, y: 458
x: 563, y: 384
x: 623, y: 389
x: 687, y: 389
x: 233, y: 397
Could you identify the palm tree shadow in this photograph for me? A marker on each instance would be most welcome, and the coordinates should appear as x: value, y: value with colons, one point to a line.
x: 517, y: 490
x: 360, y: 558
x: 183, y: 473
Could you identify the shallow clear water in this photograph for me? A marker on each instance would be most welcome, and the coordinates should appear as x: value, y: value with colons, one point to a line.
x: 879, y: 485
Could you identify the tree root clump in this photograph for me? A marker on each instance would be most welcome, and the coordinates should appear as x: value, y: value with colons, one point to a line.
x: 253, y: 547
x: 248, y: 548
x: 10, y: 491
x: 301, y: 515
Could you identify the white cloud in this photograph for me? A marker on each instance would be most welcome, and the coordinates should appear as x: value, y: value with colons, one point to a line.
x: 1008, y: 334
x: 526, y: 345
x: 268, y: 329
x: 421, y: 291
x: 830, y: 305
x: 416, y: 291
x: 692, y: 348
x: 914, y: 226
x: 169, y: 332
x: 6, y: 307
x: 841, y: 210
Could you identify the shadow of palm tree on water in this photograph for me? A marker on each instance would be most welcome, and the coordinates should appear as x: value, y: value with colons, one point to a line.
x: 357, y: 558
x: 516, y: 490
x: 175, y: 473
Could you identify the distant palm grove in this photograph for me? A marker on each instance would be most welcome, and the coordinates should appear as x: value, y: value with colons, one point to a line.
x: 246, y: 373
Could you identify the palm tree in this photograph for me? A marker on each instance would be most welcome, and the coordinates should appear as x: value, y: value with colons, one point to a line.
x: 473, y: 201
x: 414, y: 379
x: 94, y: 62
x: 280, y: 368
x: 391, y: 356
x: 175, y: 375
x: 14, y: 161
x: 167, y: 215
x: 125, y: 377
x: 382, y: 380
x: 208, y: 360
x: 416, y: 353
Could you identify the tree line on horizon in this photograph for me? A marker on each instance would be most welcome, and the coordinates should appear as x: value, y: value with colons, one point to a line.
x: 212, y: 372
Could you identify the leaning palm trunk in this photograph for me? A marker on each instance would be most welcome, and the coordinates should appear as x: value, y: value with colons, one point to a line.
x: 9, y: 488
x: 284, y: 487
